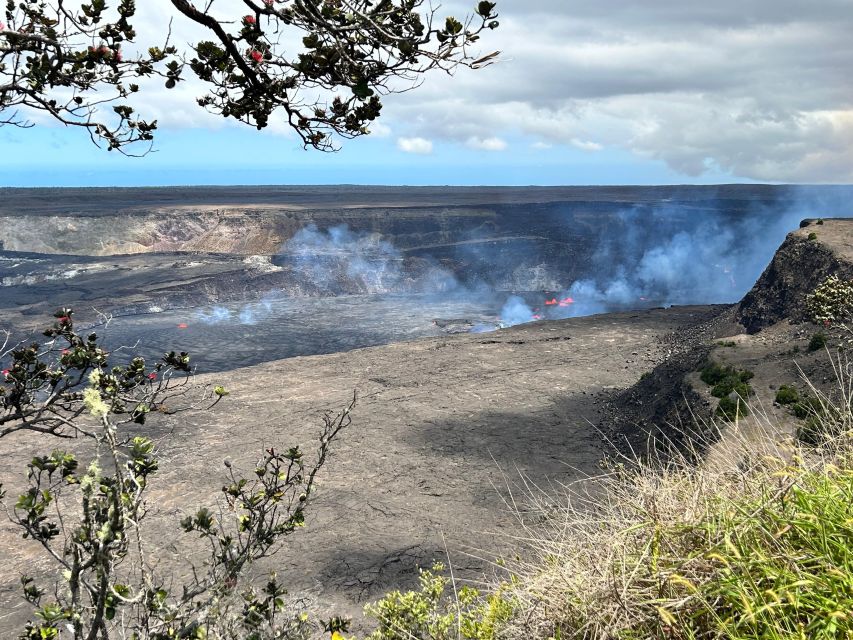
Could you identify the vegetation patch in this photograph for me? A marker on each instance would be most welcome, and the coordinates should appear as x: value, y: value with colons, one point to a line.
x: 731, y: 386
x: 818, y: 341
x: 787, y: 395
x: 437, y: 612
x: 831, y: 302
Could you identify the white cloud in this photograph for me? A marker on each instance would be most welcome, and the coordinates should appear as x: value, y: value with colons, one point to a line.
x: 379, y: 130
x: 759, y: 90
x: 486, y: 144
x: 418, y: 146
x: 586, y: 145
x: 541, y: 146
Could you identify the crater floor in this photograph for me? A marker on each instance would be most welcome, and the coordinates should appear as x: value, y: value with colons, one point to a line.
x: 442, y: 424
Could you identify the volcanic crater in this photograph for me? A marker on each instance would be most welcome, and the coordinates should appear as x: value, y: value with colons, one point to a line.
x: 448, y: 427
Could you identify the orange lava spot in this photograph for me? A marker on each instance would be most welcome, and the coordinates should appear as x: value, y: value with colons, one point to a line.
x: 183, y: 325
x: 551, y: 302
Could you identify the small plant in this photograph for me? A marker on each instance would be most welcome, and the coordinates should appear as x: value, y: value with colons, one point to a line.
x: 787, y: 395
x: 434, y: 614
x: 732, y: 409
x: 831, y: 302
x: 727, y: 343
x: 812, y: 236
x: 714, y: 373
x: 88, y: 515
x: 820, y: 221
x: 807, y: 407
x: 731, y: 386
x: 817, y: 342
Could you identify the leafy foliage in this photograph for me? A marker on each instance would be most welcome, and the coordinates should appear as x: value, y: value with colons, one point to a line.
x: 89, y: 516
x: 787, y: 395
x: 731, y: 386
x: 817, y: 342
x: 831, y: 302
x: 71, y: 59
x: 434, y: 614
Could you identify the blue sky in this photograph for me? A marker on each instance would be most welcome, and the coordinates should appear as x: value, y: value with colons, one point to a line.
x: 48, y: 156
x: 622, y: 92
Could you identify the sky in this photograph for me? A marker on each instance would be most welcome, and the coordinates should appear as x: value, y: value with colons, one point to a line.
x: 586, y: 92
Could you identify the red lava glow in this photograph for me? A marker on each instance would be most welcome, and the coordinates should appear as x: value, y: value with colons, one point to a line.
x: 565, y: 302
x: 183, y: 325
x: 552, y: 302
x: 537, y: 317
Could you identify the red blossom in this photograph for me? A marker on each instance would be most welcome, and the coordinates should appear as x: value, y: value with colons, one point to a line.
x: 257, y: 56
x: 249, y: 19
x: 6, y: 372
x: 152, y: 376
x: 63, y: 319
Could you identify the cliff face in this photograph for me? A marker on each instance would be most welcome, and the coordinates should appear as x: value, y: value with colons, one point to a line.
x: 801, y: 263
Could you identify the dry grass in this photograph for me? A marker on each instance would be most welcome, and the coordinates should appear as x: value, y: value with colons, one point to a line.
x: 756, y: 541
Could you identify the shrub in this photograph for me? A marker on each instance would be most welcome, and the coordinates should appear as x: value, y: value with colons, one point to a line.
x: 807, y: 407
x: 88, y: 516
x: 732, y: 409
x: 787, y: 395
x: 731, y: 386
x: 832, y: 301
x: 817, y: 342
x: 432, y: 613
x: 812, y: 236
x: 714, y: 373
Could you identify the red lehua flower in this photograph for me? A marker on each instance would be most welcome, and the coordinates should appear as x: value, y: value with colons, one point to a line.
x: 257, y: 56
x: 827, y: 323
x: 249, y: 19
x: 6, y: 373
x: 269, y: 3
x: 152, y: 376
x: 65, y: 352
x: 63, y: 319
x: 118, y: 56
x: 2, y: 26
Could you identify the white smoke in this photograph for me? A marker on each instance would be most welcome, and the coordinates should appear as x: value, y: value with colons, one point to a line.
x: 329, y: 259
x: 248, y: 314
x: 671, y: 256
x: 516, y: 311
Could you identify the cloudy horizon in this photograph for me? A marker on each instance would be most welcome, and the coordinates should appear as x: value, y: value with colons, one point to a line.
x: 584, y: 93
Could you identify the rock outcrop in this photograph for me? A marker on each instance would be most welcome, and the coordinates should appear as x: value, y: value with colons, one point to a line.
x: 816, y: 250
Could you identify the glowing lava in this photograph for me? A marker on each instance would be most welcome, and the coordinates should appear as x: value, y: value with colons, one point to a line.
x: 183, y: 325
